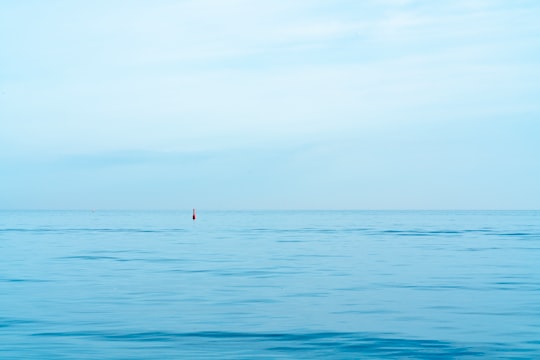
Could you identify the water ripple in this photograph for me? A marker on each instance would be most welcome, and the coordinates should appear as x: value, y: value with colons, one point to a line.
x: 88, y: 230
x: 300, y: 344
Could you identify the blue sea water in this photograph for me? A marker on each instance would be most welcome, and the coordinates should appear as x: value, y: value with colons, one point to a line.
x: 269, y: 284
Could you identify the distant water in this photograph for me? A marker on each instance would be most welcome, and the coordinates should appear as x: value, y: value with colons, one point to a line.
x: 269, y: 284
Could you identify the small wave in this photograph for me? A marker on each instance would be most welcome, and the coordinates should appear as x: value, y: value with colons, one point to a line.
x: 422, y: 232
x: 88, y: 230
x: 11, y: 322
x: 23, y: 280
x: 516, y: 234
x: 122, y: 259
x: 90, y: 257
x: 295, y: 344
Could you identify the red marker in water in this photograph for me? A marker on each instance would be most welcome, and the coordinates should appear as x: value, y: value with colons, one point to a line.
x: 194, y: 214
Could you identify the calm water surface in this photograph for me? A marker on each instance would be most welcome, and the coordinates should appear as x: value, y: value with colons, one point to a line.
x: 269, y: 284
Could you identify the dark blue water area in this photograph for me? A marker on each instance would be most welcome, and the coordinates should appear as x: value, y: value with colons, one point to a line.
x: 269, y: 284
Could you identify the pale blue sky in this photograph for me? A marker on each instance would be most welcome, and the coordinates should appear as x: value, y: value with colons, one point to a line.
x: 237, y: 104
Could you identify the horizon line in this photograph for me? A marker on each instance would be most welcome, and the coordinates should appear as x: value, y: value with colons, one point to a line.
x: 269, y: 209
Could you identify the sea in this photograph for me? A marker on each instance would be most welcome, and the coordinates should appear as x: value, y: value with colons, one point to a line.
x: 269, y: 285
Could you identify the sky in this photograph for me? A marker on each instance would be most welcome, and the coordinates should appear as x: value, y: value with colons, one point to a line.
x: 242, y: 104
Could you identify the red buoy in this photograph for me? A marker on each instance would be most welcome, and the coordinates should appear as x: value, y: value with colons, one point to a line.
x: 194, y: 214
